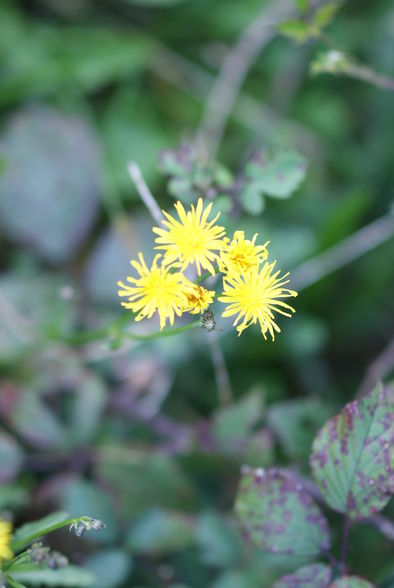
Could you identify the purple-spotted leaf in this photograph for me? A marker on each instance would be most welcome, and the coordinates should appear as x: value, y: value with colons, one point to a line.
x: 351, y: 582
x: 278, y: 515
x: 353, y: 456
x: 313, y: 576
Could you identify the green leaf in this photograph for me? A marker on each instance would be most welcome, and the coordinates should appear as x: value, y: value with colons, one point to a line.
x: 353, y: 459
x: 11, y: 457
x: 302, y: 5
x: 89, y: 403
x: 219, y: 540
x: 144, y: 481
x: 351, y: 582
x: 297, y: 30
x: 13, y: 496
x: 29, y: 532
x: 13, y: 583
x: 279, y: 177
x: 324, y: 15
x: 295, y: 422
x: 312, y: 576
x: 82, y: 496
x: 42, y: 202
x: 279, y: 516
x: 233, y: 424
x: 155, y: 3
x: 160, y: 532
x: 64, y: 577
x: 252, y: 199
x: 111, y: 567
x: 34, y: 421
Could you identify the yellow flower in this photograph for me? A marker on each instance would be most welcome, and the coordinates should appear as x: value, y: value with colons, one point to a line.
x: 5, y: 540
x: 255, y: 296
x: 156, y: 289
x: 241, y: 255
x: 192, y: 239
x: 198, y: 298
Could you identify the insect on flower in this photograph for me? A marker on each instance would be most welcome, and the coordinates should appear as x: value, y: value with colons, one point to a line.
x: 208, y: 322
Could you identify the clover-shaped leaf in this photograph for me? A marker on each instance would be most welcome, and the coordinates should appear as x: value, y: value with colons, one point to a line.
x: 278, y: 177
x: 353, y: 456
x: 278, y: 515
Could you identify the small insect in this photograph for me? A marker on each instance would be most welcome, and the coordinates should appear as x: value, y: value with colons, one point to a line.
x: 208, y: 322
x: 78, y: 527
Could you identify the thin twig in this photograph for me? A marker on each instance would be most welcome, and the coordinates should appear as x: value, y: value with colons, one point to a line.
x: 345, y: 542
x: 144, y: 192
x: 250, y: 112
x: 344, y: 252
x: 219, y: 364
x: 377, y: 370
x: 366, y: 74
x: 221, y: 373
x: 233, y: 72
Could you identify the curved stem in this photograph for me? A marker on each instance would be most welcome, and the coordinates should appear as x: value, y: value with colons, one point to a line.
x: 167, y: 333
x: 25, y: 541
x: 345, y: 542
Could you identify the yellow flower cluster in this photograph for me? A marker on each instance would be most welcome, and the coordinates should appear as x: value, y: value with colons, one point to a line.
x: 5, y: 540
x: 252, y: 290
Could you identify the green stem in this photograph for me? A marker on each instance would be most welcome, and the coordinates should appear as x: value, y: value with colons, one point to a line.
x: 81, y: 337
x: 167, y: 333
x: 18, y: 545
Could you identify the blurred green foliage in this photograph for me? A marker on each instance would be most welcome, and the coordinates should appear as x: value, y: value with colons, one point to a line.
x: 137, y: 436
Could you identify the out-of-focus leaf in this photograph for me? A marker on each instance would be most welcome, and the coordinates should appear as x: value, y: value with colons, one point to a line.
x: 87, y: 409
x: 93, y: 57
x: 302, y: 5
x: 353, y: 459
x: 351, y: 582
x: 232, y: 580
x: 141, y: 480
x: 80, y: 497
x: 29, y: 532
x: 14, y: 583
x: 312, y: 576
x: 155, y: 3
x: 110, y: 258
x: 308, y: 337
x: 233, y: 425
x: 252, y: 199
x: 13, y: 496
x: 110, y: 567
x: 25, y: 412
x: 132, y: 131
x: 64, y: 577
x: 279, y: 516
x: 324, y: 15
x: 49, y: 190
x: 297, y: 30
x: 38, y: 59
x: 11, y: 457
x: 279, y: 177
x: 160, y: 532
x: 295, y: 422
x: 218, y: 539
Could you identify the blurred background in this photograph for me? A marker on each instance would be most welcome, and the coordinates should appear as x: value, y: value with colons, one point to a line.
x: 141, y: 433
